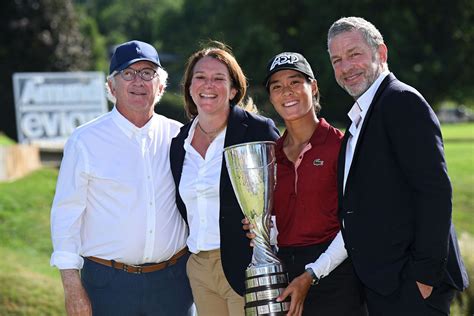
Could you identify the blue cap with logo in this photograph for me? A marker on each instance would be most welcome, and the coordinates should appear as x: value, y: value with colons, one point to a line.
x: 288, y: 60
x: 131, y: 52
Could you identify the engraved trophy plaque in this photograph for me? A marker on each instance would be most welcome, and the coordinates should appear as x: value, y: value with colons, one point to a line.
x: 252, y: 168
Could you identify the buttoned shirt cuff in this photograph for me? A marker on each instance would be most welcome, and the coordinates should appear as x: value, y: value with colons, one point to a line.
x: 66, y: 260
x: 330, y: 259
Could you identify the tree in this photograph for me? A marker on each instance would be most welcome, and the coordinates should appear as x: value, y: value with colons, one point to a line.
x: 38, y: 35
x: 122, y: 20
x: 430, y: 46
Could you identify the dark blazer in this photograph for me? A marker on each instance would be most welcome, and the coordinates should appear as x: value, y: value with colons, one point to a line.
x: 396, y: 208
x: 236, y: 253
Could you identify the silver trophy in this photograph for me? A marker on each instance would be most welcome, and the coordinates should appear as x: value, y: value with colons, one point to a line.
x: 252, y: 169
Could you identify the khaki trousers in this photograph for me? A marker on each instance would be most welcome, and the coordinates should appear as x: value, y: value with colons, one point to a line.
x: 212, y: 293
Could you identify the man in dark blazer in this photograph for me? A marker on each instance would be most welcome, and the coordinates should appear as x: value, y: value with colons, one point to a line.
x: 394, y: 190
x: 242, y: 127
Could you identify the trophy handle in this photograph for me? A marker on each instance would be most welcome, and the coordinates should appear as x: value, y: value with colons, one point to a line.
x: 263, y: 251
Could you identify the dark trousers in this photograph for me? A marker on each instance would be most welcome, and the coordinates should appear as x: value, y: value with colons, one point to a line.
x: 338, y: 294
x: 407, y: 300
x: 115, y: 292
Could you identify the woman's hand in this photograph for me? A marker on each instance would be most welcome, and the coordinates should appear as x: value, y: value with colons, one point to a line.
x: 297, y: 289
x: 247, y: 227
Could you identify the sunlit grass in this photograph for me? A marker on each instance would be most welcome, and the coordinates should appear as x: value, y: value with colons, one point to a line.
x: 459, y: 150
x: 26, y: 288
x: 4, y: 140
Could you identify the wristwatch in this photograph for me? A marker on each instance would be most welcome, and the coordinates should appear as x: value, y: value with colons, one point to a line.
x: 313, y: 275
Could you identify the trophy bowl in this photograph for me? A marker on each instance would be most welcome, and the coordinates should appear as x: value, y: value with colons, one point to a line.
x: 252, y: 170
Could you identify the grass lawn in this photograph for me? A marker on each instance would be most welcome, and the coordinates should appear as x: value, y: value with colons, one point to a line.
x: 29, y: 286
x: 4, y: 140
x: 459, y: 148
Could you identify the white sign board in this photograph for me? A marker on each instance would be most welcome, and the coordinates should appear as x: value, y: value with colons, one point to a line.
x: 49, y: 106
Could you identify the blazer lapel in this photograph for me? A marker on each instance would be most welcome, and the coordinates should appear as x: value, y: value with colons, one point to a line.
x: 376, y: 98
x: 178, y: 153
x: 236, y: 128
x: 342, y: 164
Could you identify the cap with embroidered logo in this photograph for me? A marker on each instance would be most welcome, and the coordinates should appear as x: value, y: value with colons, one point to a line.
x: 131, y: 52
x: 288, y: 60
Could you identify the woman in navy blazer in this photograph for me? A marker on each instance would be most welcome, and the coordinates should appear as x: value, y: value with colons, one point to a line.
x: 214, y: 87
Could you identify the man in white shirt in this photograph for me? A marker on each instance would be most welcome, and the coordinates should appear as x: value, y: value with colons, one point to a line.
x: 114, y: 216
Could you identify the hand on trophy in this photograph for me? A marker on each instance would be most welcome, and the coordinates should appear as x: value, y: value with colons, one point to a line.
x: 297, y: 289
x: 247, y: 226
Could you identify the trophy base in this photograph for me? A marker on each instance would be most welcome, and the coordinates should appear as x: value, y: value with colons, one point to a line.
x: 263, y: 284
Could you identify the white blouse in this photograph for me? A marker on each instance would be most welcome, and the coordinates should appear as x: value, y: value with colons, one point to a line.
x: 199, y: 189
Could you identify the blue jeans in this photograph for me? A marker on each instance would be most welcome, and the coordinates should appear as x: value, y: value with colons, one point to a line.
x: 115, y: 292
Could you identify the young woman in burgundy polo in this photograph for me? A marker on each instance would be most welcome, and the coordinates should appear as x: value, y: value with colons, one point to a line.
x: 310, y: 244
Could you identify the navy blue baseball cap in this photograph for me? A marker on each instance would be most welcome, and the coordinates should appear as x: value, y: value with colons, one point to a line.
x: 288, y: 60
x: 131, y: 52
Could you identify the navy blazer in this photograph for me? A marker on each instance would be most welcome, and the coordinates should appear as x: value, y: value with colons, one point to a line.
x: 396, y: 208
x: 236, y: 252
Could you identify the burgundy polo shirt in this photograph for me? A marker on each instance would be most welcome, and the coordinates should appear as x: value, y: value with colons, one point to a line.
x: 305, y: 199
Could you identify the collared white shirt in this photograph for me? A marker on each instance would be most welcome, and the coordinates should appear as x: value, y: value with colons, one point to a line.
x: 330, y: 259
x: 199, y: 189
x: 363, y: 102
x: 115, y: 195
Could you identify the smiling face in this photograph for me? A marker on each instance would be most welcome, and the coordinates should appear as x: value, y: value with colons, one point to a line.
x: 291, y: 94
x: 136, y: 97
x: 356, y: 65
x: 211, y: 86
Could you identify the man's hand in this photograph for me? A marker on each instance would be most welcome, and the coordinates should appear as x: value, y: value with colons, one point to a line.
x: 298, y: 289
x: 425, y: 290
x: 76, y: 300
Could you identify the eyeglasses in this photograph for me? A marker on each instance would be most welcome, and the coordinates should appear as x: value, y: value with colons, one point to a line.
x: 130, y: 74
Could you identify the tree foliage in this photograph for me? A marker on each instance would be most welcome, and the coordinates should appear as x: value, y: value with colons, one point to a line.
x: 122, y: 20
x: 37, y: 35
x: 430, y: 43
x: 430, y: 46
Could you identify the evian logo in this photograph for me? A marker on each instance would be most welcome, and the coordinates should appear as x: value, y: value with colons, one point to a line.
x: 283, y: 59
